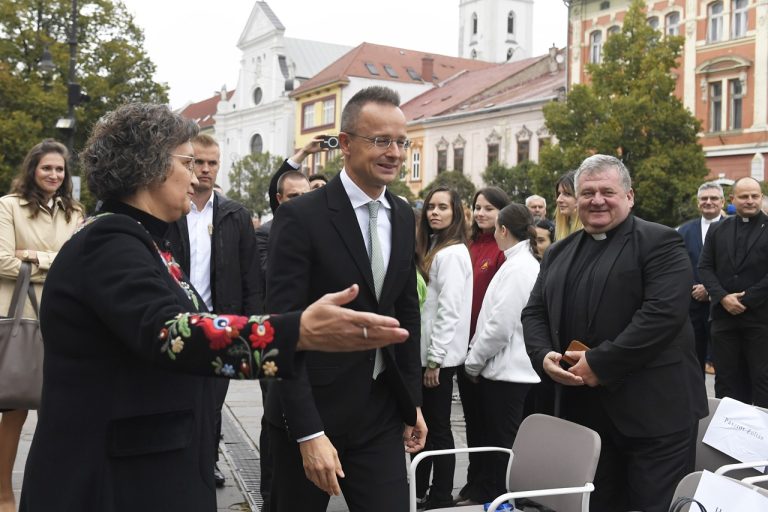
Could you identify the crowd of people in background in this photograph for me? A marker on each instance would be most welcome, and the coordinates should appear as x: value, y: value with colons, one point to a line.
x: 175, y: 276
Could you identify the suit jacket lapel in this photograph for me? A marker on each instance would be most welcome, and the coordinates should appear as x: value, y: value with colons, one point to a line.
x: 398, y: 222
x: 345, y: 221
x: 605, y: 264
x: 698, y: 243
x: 757, y: 232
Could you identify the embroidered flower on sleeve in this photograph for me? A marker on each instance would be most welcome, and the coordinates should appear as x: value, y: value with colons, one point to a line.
x: 262, y: 334
x: 221, y: 329
x: 269, y: 368
x: 228, y: 370
x: 177, y: 345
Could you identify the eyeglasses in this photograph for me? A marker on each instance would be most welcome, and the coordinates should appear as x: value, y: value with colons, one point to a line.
x: 384, y: 142
x: 190, y: 165
x: 704, y: 199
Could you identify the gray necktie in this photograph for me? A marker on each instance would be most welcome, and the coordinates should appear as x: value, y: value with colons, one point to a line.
x: 377, y: 269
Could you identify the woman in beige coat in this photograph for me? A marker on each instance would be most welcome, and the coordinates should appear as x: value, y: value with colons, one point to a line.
x: 35, y: 220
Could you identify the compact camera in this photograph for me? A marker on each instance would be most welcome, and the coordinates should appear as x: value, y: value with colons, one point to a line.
x: 329, y: 142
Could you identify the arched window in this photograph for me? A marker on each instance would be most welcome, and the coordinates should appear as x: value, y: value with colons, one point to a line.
x: 672, y: 22
x: 595, y: 47
x: 474, y: 54
x: 510, y: 52
x: 474, y: 24
x: 511, y: 22
x: 257, y: 144
x: 653, y: 22
x: 715, y: 21
x: 615, y: 29
x: 257, y: 95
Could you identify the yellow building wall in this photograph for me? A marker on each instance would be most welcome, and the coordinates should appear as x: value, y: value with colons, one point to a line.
x: 302, y: 134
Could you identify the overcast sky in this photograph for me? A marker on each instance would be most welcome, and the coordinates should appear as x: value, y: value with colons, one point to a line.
x: 193, y: 43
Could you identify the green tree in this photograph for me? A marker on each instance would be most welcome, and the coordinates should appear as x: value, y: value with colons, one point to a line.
x: 455, y: 180
x: 520, y: 181
x: 333, y: 166
x: 112, y: 68
x: 399, y: 188
x: 249, y: 181
x: 629, y: 110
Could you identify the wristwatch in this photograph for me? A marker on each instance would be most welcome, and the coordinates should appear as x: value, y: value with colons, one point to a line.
x: 25, y: 255
x: 432, y: 365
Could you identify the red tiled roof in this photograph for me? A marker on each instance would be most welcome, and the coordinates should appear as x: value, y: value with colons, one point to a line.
x: 203, y: 111
x: 388, y: 63
x: 484, y: 88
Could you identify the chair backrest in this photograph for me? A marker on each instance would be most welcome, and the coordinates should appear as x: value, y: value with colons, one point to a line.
x: 551, y: 452
x: 711, y: 459
x: 687, y: 488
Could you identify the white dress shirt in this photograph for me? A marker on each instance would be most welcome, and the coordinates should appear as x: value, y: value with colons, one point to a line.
x: 360, y: 200
x: 200, y: 227
x: 705, y: 223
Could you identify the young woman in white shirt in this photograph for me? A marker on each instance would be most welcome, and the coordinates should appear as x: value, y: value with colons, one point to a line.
x: 444, y: 261
x: 497, y: 359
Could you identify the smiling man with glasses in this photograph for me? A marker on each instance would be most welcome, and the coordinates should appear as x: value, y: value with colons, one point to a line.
x: 345, y: 424
x: 694, y: 232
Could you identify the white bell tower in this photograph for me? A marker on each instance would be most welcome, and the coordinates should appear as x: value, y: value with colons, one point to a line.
x: 495, y: 30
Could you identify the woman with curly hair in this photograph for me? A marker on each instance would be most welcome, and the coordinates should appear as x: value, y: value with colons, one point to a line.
x: 566, y: 217
x: 36, y: 218
x: 441, y: 249
x: 127, y: 406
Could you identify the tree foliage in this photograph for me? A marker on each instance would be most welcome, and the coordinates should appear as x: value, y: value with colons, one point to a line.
x: 521, y: 181
x: 112, y: 68
x: 249, y: 181
x: 455, y: 180
x: 630, y: 110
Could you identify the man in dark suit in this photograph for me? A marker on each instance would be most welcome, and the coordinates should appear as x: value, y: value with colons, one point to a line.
x: 215, y: 245
x: 621, y: 287
x: 734, y: 270
x: 342, y: 425
x: 710, y: 204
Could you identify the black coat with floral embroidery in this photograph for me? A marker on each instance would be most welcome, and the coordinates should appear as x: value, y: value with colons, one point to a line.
x: 125, y: 421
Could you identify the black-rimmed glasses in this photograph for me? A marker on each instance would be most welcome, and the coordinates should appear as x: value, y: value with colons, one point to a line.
x: 384, y: 142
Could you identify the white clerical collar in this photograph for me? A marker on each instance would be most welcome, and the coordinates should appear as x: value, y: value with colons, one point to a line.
x: 598, y: 236
x: 745, y: 219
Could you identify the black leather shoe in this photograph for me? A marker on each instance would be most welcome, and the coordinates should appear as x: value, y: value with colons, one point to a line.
x: 218, y: 476
x: 433, y: 503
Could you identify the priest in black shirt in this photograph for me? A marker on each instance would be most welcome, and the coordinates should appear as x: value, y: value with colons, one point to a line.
x: 621, y: 287
x: 734, y: 270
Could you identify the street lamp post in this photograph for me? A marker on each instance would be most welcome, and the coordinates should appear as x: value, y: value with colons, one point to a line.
x: 74, y: 92
x: 567, y: 43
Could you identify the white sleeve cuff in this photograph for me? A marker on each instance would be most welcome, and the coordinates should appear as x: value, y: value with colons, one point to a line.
x: 311, y: 436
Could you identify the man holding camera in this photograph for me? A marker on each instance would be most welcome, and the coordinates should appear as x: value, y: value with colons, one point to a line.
x: 620, y: 286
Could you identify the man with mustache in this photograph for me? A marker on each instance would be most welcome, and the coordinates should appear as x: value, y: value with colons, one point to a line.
x: 621, y: 287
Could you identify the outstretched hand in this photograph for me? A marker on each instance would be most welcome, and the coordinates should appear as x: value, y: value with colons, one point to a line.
x: 328, y: 327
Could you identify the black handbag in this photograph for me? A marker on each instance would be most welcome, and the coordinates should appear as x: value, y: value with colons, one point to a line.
x: 679, y: 503
x: 21, y: 350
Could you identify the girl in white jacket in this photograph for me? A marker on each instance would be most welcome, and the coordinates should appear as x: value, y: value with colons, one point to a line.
x: 497, y: 359
x: 441, y: 248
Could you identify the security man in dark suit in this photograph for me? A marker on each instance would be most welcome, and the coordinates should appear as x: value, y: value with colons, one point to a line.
x: 734, y: 270
x: 710, y: 204
x: 621, y: 287
x: 347, y: 420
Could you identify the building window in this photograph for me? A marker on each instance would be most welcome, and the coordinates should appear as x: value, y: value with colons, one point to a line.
x: 493, y: 153
x: 442, y: 160
x: 615, y: 29
x: 371, y: 67
x: 329, y: 111
x: 672, y: 21
x: 511, y: 23
x: 510, y: 52
x: 412, y: 73
x: 474, y: 54
x: 474, y: 24
x: 308, y: 115
x: 715, y: 106
x: 257, y: 144
x: 605, y: 5
x: 416, y: 165
x: 736, y: 97
x: 595, y: 47
x: 458, y: 159
x: 739, y: 8
x: 715, y: 14
x: 523, y: 151
x: 653, y: 22
x: 390, y: 71
x: 257, y: 95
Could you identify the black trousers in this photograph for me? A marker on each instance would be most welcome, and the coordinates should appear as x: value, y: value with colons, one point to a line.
x: 699, y: 315
x: 265, y: 454
x: 220, y: 387
x: 632, y: 473
x: 501, y: 412
x: 475, y: 430
x: 372, y: 458
x: 436, y: 408
x: 741, y: 359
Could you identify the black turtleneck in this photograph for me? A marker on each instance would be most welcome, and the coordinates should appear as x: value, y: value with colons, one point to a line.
x: 157, y: 228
